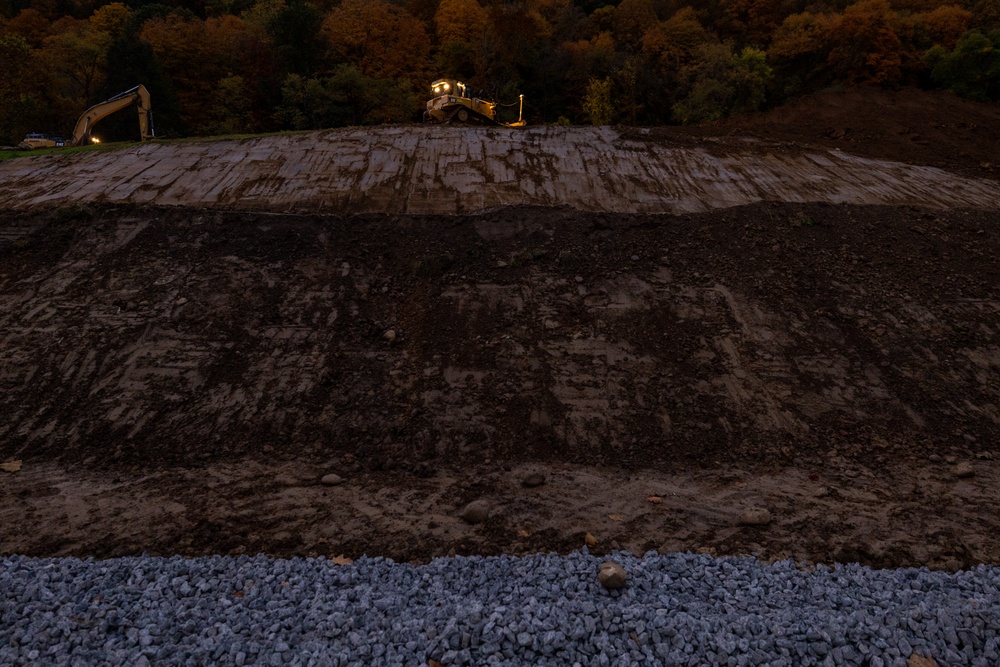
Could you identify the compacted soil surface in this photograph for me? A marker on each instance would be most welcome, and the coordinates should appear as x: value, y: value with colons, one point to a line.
x: 612, y: 337
x: 180, y: 381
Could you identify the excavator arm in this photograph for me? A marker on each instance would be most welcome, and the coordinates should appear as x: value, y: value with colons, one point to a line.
x: 138, y: 96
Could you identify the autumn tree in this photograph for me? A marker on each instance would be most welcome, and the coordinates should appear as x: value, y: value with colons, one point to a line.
x: 631, y: 20
x: 112, y: 19
x: 671, y: 44
x: 944, y: 25
x: 866, y: 46
x: 197, y: 55
x: 381, y: 40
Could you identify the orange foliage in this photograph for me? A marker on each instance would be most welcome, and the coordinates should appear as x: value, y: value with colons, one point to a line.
x: 462, y: 21
x: 945, y: 24
x: 31, y: 25
x: 631, y: 20
x: 866, y: 46
x: 381, y: 40
x: 671, y: 43
x: 197, y: 55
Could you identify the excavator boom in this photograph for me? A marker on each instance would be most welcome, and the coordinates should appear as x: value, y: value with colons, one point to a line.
x: 138, y: 96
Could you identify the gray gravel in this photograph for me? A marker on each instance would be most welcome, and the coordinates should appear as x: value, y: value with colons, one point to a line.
x: 677, y: 609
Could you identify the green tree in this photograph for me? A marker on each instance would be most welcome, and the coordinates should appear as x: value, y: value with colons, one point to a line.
x: 597, y: 102
x: 720, y: 82
x: 971, y: 69
x: 18, y: 106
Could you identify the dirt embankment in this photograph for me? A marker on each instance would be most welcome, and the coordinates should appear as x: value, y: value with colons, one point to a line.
x: 419, y: 170
x: 825, y: 361
x: 909, y: 125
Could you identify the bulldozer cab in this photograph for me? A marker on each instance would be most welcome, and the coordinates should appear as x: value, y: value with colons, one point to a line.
x: 449, y: 87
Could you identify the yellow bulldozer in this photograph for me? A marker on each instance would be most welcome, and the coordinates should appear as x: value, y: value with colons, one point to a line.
x: 82, y: 132
x: 453, y: 102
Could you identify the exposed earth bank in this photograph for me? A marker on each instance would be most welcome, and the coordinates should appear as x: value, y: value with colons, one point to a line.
x: 178, y: 381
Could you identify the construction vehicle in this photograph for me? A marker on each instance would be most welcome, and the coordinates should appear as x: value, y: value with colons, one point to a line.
x: 453, y: 102
x: 82, y: 132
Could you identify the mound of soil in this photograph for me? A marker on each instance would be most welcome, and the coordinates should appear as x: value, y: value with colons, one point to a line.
x: 910, y: 125
x: 179, y: 380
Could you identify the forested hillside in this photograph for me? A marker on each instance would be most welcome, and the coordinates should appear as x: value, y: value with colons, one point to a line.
x: 231, y: 66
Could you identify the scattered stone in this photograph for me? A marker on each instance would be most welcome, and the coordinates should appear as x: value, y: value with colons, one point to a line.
x: 964, y: 470
x: 934, y: 458
x: 917, y: 660
x: 331, y: 480
x: 390, y: 335
x: 590, y: 540
x: 476, y: 512
x: 533, y: 480
x: 822, y: 492
x: 950, y: 459
x: 755, y: 516
x: 612, y: 575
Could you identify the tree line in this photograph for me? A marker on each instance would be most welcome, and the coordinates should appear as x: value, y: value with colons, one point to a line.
x: 250, y: 66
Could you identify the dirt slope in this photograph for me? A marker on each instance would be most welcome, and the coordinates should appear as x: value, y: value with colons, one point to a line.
x: 909, y: 125
x: 447, y: 170
x: 216, y: 364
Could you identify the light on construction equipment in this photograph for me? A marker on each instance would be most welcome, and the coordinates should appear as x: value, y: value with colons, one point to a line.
x: 95, y: 140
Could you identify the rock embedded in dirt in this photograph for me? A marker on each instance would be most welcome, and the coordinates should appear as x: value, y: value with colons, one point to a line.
x: 612, y: 575
x: 331, y: 480
x: 390, y: 335
x: 754, y: 516
x: 590, y: 540
x: 533, y: 480
x: 964, y: 470
x: 476, y: 512
x: 917, y: 660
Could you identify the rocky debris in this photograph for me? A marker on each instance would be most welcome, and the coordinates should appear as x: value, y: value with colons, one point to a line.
x: 917, y: 660
x: 476, y: 512
x: 389, y: 335
x: 754, y: 516
x: 964, y: 470
x: 533, y: 480
x: 612, y: 575
x: 331, y: 480
x: 590, y: 540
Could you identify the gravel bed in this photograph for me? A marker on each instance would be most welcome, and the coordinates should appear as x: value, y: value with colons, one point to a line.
x: 676, y: 609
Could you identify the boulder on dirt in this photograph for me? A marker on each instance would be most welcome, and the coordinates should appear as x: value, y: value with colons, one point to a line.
x: 964, y: 470
x: 533, y: 480
x: 476, y: 512
x: 754, y: 516
x: 590, y: 540
x: 331, y: 480
x: 612, y: 575
x: 917, y: 660
x: 389, y: 335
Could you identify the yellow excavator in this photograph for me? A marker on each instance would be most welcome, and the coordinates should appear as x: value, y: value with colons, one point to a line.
x: 138, y: 96
x: 453, y: 102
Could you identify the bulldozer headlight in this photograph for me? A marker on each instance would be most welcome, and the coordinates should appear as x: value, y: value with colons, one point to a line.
x: 95, y: 140
x: 447, y: 86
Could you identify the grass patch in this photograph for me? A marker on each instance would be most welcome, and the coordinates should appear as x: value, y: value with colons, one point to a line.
x: 68, y: 150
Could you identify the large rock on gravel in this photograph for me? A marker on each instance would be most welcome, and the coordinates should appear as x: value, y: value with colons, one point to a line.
x: 476, y: 512
x: 612, y: 575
